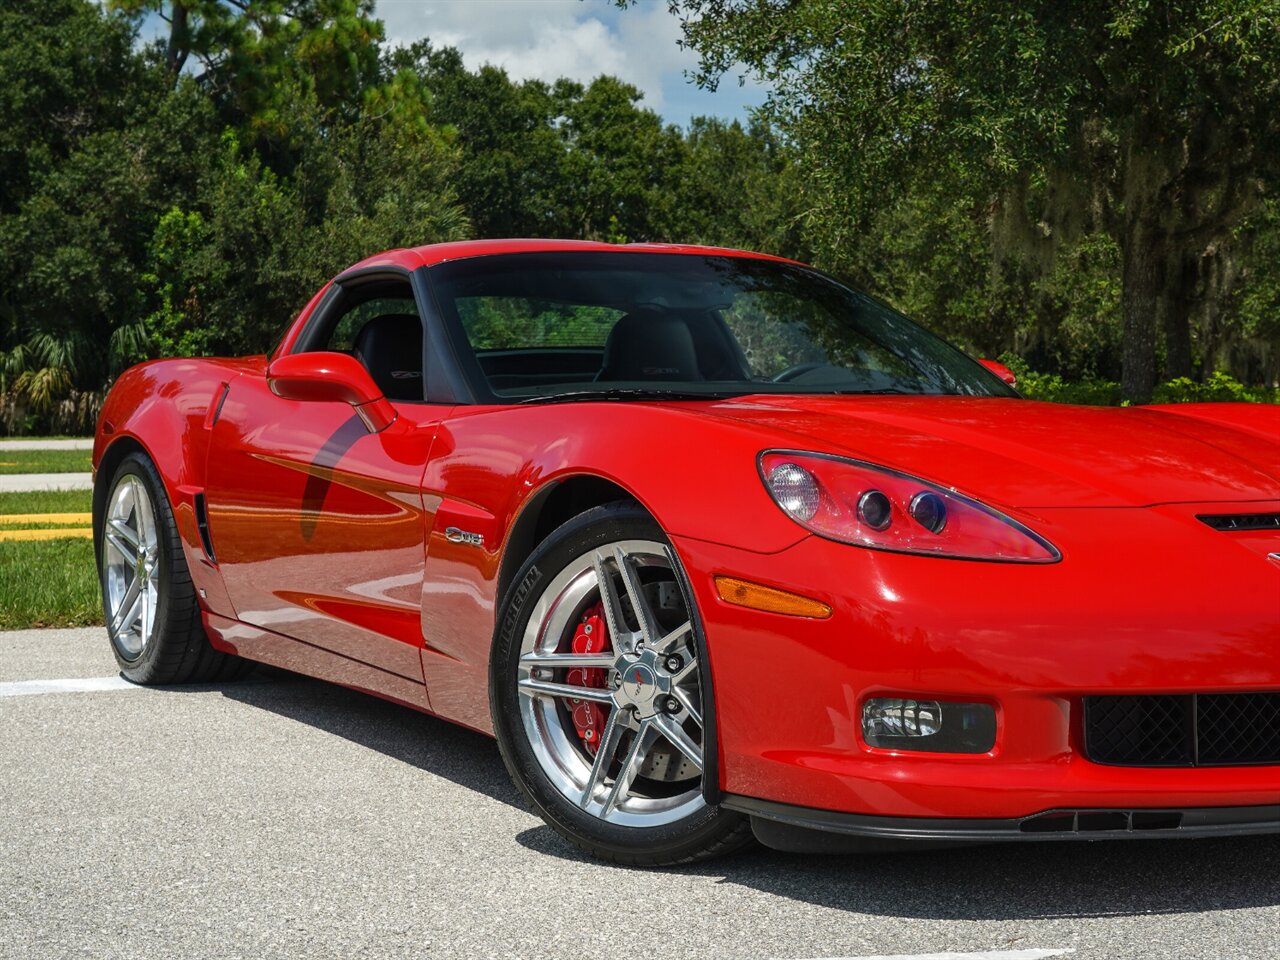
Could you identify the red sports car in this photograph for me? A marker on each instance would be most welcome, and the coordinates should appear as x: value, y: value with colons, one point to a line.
x: 713, y: 545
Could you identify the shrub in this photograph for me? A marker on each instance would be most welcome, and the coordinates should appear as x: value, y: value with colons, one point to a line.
x: 1220, y: 387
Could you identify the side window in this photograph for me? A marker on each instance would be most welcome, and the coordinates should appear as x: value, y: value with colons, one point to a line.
x: 380, y: 326
x: 343, y: 335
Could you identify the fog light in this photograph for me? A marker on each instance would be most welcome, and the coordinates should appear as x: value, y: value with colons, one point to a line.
x: 901, y: 718
x: 892, y: 723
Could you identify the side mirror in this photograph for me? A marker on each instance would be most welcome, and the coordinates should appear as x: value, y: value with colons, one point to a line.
x: 332, y: 377
x: 1001, y: 371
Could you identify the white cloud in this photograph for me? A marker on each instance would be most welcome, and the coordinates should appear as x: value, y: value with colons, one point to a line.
x: 547, y: 39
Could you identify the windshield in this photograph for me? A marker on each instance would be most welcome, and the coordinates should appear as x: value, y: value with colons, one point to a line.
x: 548, y: 325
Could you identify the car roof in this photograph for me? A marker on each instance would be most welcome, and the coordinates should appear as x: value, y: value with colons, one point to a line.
x: 440, y: 252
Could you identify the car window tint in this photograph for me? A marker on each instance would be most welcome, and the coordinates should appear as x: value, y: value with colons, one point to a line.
x: 348, y: 327
x: 515, y: 323
x: 542, y: 324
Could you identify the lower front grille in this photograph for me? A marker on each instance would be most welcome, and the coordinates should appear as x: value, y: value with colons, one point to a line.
x: 1187, y: 730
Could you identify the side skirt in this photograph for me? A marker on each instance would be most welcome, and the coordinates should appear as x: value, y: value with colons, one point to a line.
x: 263, y: 646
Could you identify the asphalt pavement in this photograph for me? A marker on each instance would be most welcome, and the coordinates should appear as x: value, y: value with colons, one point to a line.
x: 282, y: 817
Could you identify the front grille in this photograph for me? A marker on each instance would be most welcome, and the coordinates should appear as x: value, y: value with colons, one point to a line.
x: 1191, y: 730
x: 1239, y: 728
x: 1241, y: 521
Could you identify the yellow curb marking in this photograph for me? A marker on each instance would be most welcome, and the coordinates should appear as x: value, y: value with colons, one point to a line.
x: 19, y: 519
x: 54, y: 534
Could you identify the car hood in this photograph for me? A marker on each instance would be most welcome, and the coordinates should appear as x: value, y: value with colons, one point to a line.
x: 1023, y: 453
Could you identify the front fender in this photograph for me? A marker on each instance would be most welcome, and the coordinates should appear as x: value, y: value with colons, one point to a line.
x: 696, y: 475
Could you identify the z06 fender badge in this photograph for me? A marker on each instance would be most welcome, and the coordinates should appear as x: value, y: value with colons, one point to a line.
x: 454, y: 535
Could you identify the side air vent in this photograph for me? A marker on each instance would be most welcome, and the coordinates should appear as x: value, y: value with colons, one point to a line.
x: 1241, y: 521
x: 1102, y: 821
x: 202, y: 524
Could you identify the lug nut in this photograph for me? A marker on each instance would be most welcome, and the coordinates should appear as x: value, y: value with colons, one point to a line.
x: 670, y: 705
x: 673, y: 662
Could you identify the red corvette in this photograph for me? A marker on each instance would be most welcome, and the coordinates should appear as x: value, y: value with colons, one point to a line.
x: 713, y: 545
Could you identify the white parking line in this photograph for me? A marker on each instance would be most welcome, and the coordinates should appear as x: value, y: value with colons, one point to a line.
x: 980, y: 955
x: 22, y: 688
x: 81, y: 443
x: 27, y: 482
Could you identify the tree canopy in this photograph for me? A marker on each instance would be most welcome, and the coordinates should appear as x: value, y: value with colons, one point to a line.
x: 1136, y: 136
x: 1081, y: 188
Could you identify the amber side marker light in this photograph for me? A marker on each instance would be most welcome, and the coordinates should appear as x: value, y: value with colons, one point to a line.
x: 743, y: 593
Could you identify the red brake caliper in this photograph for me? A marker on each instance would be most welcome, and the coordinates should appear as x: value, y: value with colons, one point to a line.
x: 591, y: 637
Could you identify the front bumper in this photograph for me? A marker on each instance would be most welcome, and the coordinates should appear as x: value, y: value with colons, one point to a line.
x: 1143, y: 601
x: 805, y: 830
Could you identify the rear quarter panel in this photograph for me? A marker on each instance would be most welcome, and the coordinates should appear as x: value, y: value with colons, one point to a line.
x: 165, y: 408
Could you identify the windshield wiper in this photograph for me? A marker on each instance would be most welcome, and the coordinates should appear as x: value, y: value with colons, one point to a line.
x: 878, y: 392
x: 633, y: 393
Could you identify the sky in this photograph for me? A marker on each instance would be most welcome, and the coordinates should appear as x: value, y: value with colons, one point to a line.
x: 579, y: 39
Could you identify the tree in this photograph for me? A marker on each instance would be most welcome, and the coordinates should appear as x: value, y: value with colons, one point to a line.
x: 92, y: 151
x: 253, y: 55
x: 1149, y: 122
x: 509, y: 176
x: 234, y: 262
x: 737, y: 187
x: 147, y: 212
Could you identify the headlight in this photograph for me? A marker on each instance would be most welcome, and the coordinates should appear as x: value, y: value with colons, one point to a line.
x: 870, y: 506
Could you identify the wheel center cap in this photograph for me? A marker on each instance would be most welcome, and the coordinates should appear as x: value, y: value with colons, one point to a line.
x: 641, y: 685
x: 638, y: 682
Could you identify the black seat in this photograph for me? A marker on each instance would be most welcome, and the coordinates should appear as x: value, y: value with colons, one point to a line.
x: 390, y: 347
x: 650, y: 344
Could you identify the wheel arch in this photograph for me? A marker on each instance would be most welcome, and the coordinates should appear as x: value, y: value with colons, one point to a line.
x: 112, y: 456
x: 557, y: 502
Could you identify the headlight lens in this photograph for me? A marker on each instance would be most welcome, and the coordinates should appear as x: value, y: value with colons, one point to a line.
x: 795, y: 490
x: 871, y: 506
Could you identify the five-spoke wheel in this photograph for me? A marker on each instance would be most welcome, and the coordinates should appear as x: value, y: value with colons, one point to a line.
x: 598, y: 693
x: 645, y: 765
x: 148, y: 599
x: 130, y: 566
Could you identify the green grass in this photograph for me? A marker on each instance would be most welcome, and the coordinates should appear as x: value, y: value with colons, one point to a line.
x: 45, y: 461
x: 47, y: 501
x: 48, y: 583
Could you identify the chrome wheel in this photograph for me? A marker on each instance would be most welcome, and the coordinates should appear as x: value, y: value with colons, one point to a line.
x: 130, y: 566
x: 609, y: 691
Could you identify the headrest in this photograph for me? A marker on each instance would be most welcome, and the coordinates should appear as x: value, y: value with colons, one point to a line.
x: 650, y: 344
x: 390, y: 347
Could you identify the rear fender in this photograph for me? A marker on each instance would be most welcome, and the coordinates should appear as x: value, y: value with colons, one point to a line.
x: 166, y: 410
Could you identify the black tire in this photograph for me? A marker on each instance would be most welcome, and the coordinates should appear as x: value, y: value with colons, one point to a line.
x: 707, y: 832
x: 178, y: 650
